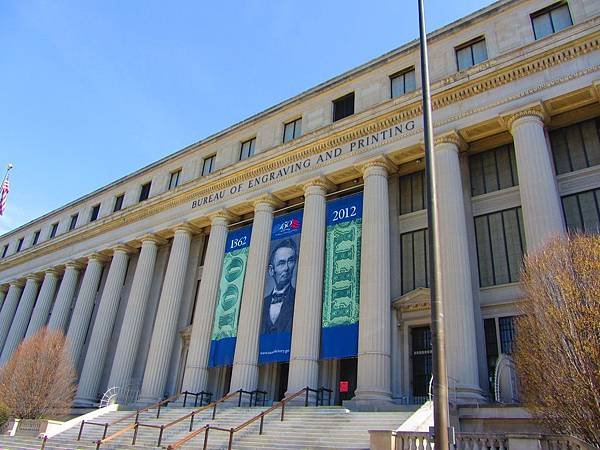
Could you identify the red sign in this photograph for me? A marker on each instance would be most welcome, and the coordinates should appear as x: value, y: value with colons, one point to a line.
x: 343, y: 387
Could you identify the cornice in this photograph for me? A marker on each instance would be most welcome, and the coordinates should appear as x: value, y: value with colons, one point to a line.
x: 480, y: 83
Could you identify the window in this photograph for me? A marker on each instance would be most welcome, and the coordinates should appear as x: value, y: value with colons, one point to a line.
x: 413, y: 192
x: 95, y: 212
x: 500, y: 246
x: 247, y: 149
x: 413, y: 260
x: 36, y: 237
x: 208, y: 165
x: 73, y: 221
x: 174, y: 179
x: 343, y: 107
x: 20, y: 245
x: 403, y: 82
x: 5, y: 251
x: 550, y: 20
x: 471, y: 54
x: 576, y: 147
x: 493, y: 170
x: 53, y: 230
x: 582, y: 211
x: 145, y: 191
x: 292, y: 130
x: 118, y: 202
x: 507, y: 334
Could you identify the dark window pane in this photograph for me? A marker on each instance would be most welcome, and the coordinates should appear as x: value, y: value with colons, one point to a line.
x: 479, y: 52
x: 413, y: 261
x: 73, y: 222
x: 207, y: 165
x: 36, y: 237
x: 582, y: 211
x: 118, y: 202
x: 507, y: 334
x: 576, y: 147
x: 542, y: 26
x: 4, y: 251
x: 491, y: 348
x: 410, y: 83
x: 53, y: 230
x: 20, y: 244
x: 413, y: 192
x: 174, y: 179
x: 464, y: 58
x: 95, y: 212
x: 561, y: 18
x: 145, y: 192
x: 343, y: 107
x: 421, y: 360
x: 493, y: 170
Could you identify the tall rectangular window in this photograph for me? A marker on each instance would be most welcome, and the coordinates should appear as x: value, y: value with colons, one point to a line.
x: 343, y: 107
x: 36, y: 237
x: 247, y: 148
x: 576, y: 147
x: 413, y: 260
x: 506, y: 326
x: 95, y: 212
x: 471, y: 53
x: 73, y: 221
x: 145, y: 191
x: 118, y: 202
x: 500, y: 246
x: 491, y: 350
x: 20, y: 244
x: 413, y: 192
x: 403, y: 82
x: 493, y: 170
x: 582, y: 211
x: 292, y: 130
x: 551, y: 20
x: 53, y: 230
x: 5, y: 250
x: 174, y: 179
x: 208, y: 164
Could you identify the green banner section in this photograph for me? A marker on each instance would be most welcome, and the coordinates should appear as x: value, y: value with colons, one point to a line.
x: 230, y: 293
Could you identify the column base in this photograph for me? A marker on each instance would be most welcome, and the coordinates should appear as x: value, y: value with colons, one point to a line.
x: 370, y: 400
x: 465, y: 395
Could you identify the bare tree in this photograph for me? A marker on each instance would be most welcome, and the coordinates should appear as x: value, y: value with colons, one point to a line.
x: 39, y: 379
x: 557, y: 352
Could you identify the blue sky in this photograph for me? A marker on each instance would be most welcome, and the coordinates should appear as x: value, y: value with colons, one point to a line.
x: 93, y: 90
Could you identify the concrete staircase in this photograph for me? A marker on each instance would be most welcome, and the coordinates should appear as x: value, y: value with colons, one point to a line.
x: 303, y: 428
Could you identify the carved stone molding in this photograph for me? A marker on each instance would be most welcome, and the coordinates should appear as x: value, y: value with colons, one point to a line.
x: 452, y: 138
x: 318, y: 182
x: 266, y: 199
x: 373, y: 165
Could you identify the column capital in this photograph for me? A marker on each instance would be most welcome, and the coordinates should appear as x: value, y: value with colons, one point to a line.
x: 17, y: 283
x: 97, y: 257
x: 4, y: 287
x: 451, y: 138
x: 380, y: 165
x: 266, y: 199
x: 123, y: 248
x: 535, y: 112
x: 74, y: 265
x: 318, y: 185
x: 185, y: 227
x: 221, y: 217
x: 33, y: 277
x: 52, y: 272
x: 152, y: 238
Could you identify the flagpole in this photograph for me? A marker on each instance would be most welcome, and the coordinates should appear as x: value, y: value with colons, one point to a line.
x: 440, y: 383
x: 10, y: 166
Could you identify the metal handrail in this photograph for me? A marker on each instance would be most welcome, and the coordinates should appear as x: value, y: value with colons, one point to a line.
x: 200, y: 394
x: 191, y: 415
x: 135, y: 414
x: 206, y: 428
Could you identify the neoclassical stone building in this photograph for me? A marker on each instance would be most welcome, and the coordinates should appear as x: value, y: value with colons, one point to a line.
x: 289, y: 250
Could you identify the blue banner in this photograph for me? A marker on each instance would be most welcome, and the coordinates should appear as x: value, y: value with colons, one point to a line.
x: 227, y: 311
x: 341, y: 284
x: 275, y: 337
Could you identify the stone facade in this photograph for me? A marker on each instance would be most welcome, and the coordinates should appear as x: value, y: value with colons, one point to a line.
x: 135, y: 289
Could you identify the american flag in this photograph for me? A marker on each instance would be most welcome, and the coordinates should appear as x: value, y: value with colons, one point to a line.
x: 3, y: 195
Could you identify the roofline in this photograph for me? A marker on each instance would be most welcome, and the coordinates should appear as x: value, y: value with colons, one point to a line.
x: 311, y: 92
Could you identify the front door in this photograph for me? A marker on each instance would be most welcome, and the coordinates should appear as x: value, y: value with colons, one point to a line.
x: 347, y: 383
x: 282, y: 380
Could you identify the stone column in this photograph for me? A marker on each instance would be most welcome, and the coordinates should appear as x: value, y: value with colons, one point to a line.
x: 129, y: 339
x: 95, y: 356
x: 84, y: 305
x: 3, y: 292
x: 15, y: 289
x: 196, y: 371
x: 540, y: 200
x: 39, y: 317
x: 455, y: 282
x: 306, y: 327
x: 21, y: 319
x: 64, y: 298
x: 165, y: 326
x: 244, y: 374
x: 374, y: 336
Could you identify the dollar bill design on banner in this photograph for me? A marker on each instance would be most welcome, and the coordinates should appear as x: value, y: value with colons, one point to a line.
x: 227, y: 311
x: 341, y: 284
